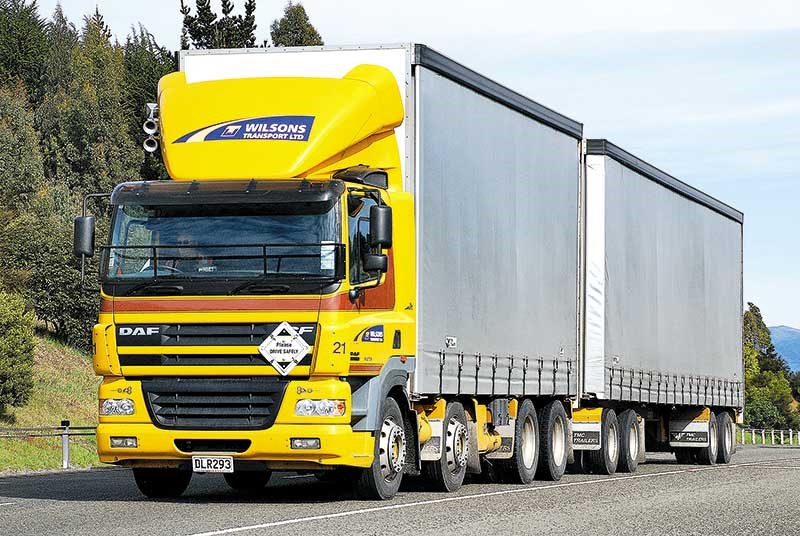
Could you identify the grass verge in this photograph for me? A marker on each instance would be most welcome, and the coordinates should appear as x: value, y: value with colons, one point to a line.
x: 64, y: 387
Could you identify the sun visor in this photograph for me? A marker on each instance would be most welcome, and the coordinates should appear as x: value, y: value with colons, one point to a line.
x: 271, y: 128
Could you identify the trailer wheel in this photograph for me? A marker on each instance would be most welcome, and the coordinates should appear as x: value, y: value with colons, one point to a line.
x: 247, y: 481
x: 552, y: 441
x: 628, y: 442
x: 727, y: 437
x: 447, y: 473
x: 382, y: 479
x: 161, y: 483
x: 604, y: 461
x: 521, y: 467
x: 708, y: 455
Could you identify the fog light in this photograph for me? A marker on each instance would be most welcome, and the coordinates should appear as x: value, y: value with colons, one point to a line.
x: 305, y: 443
x: 320, y: 408
x: 116, y: 406
x: 124, y: 442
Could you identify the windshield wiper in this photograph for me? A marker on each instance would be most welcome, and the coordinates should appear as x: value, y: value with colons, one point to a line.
x: 259, y: 285
x: 263, y: 285
x: 156, y: 287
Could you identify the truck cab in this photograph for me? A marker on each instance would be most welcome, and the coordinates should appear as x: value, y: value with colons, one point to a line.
x: 247, y: 303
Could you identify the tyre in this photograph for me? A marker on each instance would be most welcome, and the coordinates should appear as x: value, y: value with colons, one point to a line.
x: 552, y: 441
x: 248, y: 481
x: 161, y: 483
x: 604, y: 461
x: 708, y: 455
x: 521, y: 467
x: 726, y: 432
x: 685, y: 455
x: 628, y: 442
x: 382, y: 479
x: 447, y: 473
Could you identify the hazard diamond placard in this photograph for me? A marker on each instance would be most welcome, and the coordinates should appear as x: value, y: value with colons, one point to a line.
x: 284, y: 348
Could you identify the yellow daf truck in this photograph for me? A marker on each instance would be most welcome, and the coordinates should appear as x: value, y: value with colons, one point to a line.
x: 373, y: 261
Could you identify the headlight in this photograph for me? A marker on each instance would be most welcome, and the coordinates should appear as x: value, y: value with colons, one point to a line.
x: 116, y: 406
x: 319, y: 408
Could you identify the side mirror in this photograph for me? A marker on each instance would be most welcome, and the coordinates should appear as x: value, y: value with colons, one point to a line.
x: 380, y: 226
x: 83, y: 239
x: 376, y: 263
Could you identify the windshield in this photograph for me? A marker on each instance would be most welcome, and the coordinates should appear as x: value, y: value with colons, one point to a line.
x: 268, y: 241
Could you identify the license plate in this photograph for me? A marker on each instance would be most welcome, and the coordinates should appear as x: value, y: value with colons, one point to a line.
x: 212, y: 464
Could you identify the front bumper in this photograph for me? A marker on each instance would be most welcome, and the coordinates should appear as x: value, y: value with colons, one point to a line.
x: 339, y: 445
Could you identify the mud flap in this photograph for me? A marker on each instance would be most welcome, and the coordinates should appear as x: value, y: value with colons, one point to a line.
x: 689, y: 427
x: 586, y: 428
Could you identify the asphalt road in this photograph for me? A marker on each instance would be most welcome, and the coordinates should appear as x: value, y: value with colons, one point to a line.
x: 759, y: 493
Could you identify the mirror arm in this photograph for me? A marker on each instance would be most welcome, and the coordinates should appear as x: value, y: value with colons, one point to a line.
x: 83, y: 213
x: 355, y: 293
x: 90, y: 196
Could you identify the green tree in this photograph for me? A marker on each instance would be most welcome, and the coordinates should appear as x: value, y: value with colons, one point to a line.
x: 206, y: 30
x: 62, y: 40
x: 760, y: 412
x: 145, y: 63
x: 755, y: 331
x: 23, y: 45
x: 16, y: 350
x: 766, y: 376
x: 20, y: 158
x: 751, y: 369
x: 794, y: 381
x: 85, y: 126
x: 36, y: 260
x: 294, y: 29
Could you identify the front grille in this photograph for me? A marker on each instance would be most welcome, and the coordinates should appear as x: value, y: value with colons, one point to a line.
x: 249, y: 403
x: 140, y: 360
x: 205, y: 334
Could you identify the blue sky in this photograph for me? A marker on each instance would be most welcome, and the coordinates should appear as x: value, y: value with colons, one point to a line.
x: 707, y: 91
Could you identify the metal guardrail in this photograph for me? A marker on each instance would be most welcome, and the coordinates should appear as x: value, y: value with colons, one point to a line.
x: 65, y: 431
x: 761, y: 436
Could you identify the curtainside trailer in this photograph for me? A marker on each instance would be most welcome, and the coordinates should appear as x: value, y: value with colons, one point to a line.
x: 373, y: 262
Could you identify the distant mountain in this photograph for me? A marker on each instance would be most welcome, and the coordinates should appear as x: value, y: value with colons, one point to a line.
x: 787, y: 343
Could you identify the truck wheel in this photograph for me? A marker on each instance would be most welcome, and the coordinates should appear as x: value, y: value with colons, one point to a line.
x: 684, y: 455
x: 727, y: 437
x: 447, y: 473
x: 552, y: 441
x: 161, y: 483
x: 708, y: 455
x: 247, y: 481
x: 382, y: 479
x: 604, y: 460
x: 628, y: 442
x: 521, y: 467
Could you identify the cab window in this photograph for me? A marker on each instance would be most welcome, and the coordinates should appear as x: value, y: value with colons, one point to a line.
x: 358, y: 223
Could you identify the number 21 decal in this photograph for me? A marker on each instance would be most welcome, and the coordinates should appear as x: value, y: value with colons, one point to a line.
x: 339, y: 348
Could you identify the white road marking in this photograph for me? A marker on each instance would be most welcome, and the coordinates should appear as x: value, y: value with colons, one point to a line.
x: 7, y: 504
x: 515, y: 491
x: 291, y: 477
